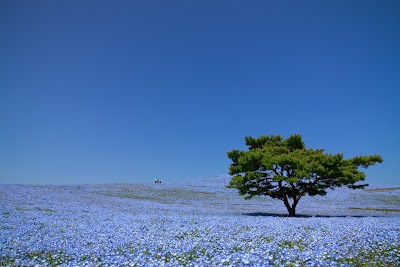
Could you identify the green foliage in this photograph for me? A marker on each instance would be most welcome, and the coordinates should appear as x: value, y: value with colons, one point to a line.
x: 285, y: 169
x: 381, y: 255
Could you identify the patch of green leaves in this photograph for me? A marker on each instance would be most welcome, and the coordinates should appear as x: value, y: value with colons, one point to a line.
x: 379, y: 257
x: 292, y: 245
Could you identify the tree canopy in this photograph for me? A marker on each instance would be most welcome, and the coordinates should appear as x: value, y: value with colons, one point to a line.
x: 286, y: 170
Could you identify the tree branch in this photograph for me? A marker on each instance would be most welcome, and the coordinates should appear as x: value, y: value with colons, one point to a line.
x: 284, y: 196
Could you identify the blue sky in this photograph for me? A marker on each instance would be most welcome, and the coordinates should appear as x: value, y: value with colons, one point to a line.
x: 129, y: 91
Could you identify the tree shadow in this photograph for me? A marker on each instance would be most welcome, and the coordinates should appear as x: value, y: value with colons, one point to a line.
x: 267, y: 214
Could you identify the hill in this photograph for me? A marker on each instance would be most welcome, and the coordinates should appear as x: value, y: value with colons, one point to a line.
x: 193, y: 223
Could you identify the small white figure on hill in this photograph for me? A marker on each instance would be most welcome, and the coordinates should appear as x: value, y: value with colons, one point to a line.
x: 157, y: 181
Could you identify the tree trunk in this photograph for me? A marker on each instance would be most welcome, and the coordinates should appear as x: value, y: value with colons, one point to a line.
x: 292, y: 211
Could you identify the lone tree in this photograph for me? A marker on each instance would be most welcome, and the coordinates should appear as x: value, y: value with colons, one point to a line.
x: 286, y: 170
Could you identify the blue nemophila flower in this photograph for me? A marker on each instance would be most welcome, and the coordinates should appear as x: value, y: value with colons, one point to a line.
x: 184, y: 225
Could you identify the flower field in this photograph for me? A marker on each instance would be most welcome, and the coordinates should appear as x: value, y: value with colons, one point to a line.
x: 194, y: 223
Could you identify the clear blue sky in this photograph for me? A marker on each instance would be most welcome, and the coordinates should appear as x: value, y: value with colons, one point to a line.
x: 129, y: 91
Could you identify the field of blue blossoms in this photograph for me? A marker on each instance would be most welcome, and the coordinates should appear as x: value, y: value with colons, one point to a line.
x: 194, y: 223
